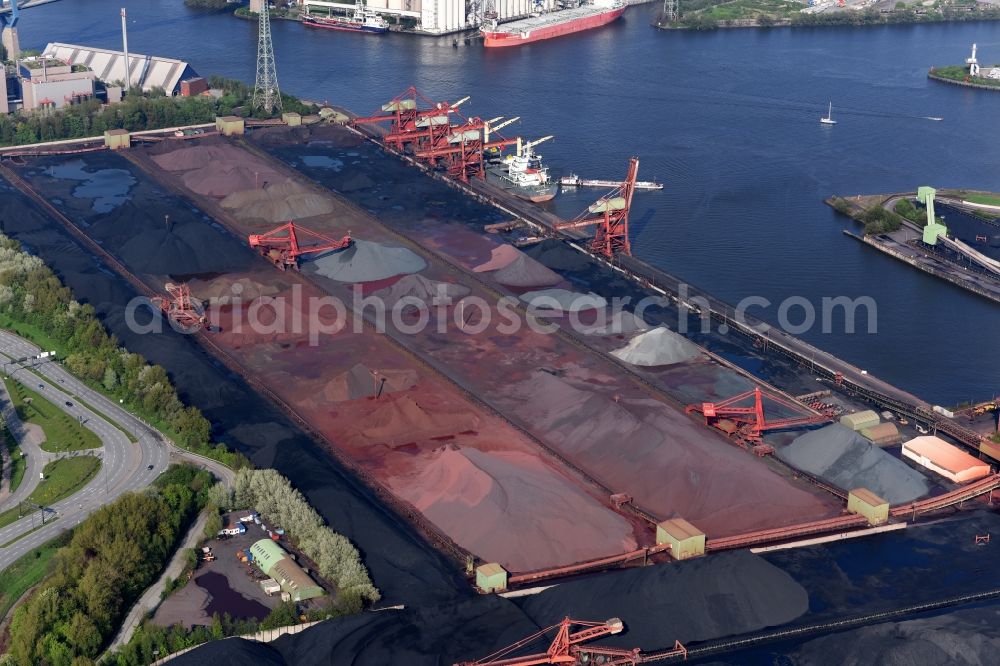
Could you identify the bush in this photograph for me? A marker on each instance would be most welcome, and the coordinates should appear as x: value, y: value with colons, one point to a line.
x: 906, y: 208
x: 879, y: 221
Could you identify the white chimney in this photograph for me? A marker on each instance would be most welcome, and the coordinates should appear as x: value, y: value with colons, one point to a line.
x: 125, y: 48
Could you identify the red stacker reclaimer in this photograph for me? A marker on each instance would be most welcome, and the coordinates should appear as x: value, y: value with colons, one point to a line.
x: 179, y: 306
x: 282, y: 248
x: 610, y: 215
x: 566, y: 648
x: 411, y: 124
x: 746, y: 424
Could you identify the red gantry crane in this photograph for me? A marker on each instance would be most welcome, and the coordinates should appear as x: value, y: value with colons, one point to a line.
x: 566, y: 648
x: 408, y: 123
x: 747, y: 423
x: 281, y: 245
x: 188, y: 312
x: 465, y: 147
x: 610, y: 214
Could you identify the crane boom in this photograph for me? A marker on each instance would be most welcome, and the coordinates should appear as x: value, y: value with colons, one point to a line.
x: 564, y: 648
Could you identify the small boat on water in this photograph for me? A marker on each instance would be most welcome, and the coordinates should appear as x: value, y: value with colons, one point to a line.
x: 828, y: 120
x: 361, y: 20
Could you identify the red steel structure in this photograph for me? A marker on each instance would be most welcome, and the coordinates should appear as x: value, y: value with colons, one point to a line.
x: 281, y: 245
x: 179, y: 306
x: 750, y: 421
x: 566, y: 648
x: 408, y: 122
x: 464, y: 149
x: 610, y: 214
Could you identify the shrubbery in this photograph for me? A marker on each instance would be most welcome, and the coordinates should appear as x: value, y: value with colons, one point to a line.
x: 136, y: 112
x: 879, y: 221
x: 31, y: 295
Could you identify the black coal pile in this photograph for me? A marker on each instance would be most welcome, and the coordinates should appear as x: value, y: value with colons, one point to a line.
x: 968, y: 636
x: 701, y: 599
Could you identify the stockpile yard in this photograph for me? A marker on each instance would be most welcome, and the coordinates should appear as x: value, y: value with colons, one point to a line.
x: 482, y: 401
x: 507, y: 444
x: 468, y: 355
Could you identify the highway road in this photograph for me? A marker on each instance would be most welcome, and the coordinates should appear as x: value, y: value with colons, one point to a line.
x: 126, y: 466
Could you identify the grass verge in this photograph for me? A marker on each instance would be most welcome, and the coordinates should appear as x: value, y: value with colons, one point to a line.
x: 62, y: 432
x: 983, y: 199
x: 17, y: 462
x: 25, y: 573
x: 63, y: 477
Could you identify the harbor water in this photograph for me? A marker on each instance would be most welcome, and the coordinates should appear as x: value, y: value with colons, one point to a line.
x: 727, y: 120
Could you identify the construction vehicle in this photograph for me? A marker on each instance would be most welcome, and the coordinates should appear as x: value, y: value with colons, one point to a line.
x: 610, y: 214
x: 747, y: 424
x: 180, y: 307
x: 566, y: 647
x: 281, y: 245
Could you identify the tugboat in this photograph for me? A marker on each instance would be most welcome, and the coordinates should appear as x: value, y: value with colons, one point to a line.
x: 362, y: 20
x: 524, y: 175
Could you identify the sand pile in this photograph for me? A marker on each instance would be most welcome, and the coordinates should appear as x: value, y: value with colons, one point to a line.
x: 526, y: 272
x: 581, y: 417
x: 563, y: 300
x: 218, y: 170
x: 366, y: 261
x: 219, y: 180
x: 499, y: 257
x: 667, y: 461
x: 660, y: 346
x: 420, y: 288
x: 224, y: 291
x: 509, y: 507
x: 358, y: 382
x: 619, y: 323
x: 847, y: 460
x: 403, y: 420
x: 277, y: 202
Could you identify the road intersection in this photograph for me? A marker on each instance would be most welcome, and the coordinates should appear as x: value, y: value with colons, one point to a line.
x: 126, y: 466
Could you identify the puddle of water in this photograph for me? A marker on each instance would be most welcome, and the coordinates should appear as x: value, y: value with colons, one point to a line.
x: 107, y: 187
x: 322, y: 162
x: 227, y: 600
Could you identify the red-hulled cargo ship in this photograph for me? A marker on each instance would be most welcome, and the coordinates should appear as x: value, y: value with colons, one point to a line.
x: 554, y: 24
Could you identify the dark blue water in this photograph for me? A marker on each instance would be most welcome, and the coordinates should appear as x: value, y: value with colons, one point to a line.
x: 728, y: 120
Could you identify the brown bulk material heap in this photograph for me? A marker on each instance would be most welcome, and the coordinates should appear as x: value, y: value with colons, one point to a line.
x: 526, y: 272
x: 362, y: 381
x: 949, y: 461
x: 511, y: 508
x: 402, y: 420
x: 418, y: 288
x: 277, y: 202
x: 499, y: 258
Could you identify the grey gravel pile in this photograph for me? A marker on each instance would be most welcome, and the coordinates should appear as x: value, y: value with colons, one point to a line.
x: 847, y: 460
x: 366, y: 261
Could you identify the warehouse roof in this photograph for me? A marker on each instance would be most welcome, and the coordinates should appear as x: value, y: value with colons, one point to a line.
x: 294, y: 580
x: 680, y: 529
x: 147, y: 72
x: 868, y: 497
x: 943, y: 454
x: 266, y: 554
